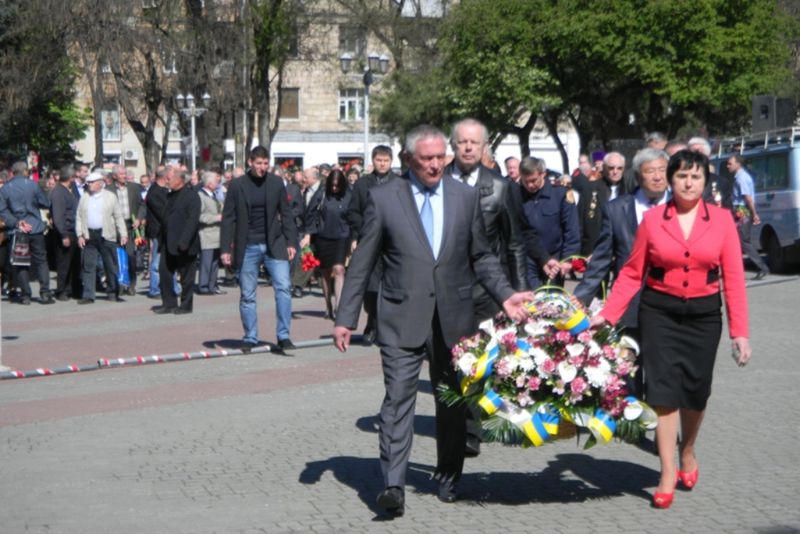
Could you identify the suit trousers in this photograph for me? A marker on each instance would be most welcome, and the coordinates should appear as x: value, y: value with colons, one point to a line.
x: 209, y: 270
x: 68, y: 268
x: 745, y: 227
x: 130, y: 248
x: 97, y: 247
x: 185, y: 266
x: 401, y: 368
x: 22, y: 276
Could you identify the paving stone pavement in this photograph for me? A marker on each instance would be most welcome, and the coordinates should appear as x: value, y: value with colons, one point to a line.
x: 264, y: 443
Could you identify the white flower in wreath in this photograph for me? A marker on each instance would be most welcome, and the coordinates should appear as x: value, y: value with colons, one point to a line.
x: 525, y: 364
x: 539, y: 356
x: 595, y: 349
x: 567, y: 372
x: 536, y: 328
x: 487, y: 326
x: 575, y: 349
x: 466, y: 363
x: 598, y: 374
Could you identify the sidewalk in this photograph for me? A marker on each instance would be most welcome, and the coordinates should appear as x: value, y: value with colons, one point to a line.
x: 267, y: 443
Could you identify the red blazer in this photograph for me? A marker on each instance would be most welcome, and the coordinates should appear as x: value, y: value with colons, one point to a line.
x: 685, y: 268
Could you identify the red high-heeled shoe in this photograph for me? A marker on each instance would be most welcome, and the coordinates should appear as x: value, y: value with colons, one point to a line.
x: 689, y: 480
x: 664, y: 500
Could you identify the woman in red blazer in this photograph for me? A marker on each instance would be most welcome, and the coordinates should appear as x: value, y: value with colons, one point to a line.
x: 681, y: 252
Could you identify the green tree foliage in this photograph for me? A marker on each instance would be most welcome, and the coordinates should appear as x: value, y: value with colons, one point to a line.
x: 614, y: 68
x: 37, y: 83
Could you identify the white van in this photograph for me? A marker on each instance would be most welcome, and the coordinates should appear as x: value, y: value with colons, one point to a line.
x: 773, y: 159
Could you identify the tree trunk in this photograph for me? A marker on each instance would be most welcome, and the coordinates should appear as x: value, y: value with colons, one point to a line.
x: 523, y: 134
x: 551, y: 121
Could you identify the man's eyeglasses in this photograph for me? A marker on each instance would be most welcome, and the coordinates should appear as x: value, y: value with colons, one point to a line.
x: 610, y: 168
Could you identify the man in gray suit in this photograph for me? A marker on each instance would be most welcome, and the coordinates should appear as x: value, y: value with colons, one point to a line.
x: 429, y: 233
x: 620, y: 220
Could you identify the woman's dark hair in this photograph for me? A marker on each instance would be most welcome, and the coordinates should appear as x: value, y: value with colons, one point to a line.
x: 336, y: 176
x: 686, y: 159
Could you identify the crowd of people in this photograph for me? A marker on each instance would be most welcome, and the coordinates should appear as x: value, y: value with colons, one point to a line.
x: 429, y: 255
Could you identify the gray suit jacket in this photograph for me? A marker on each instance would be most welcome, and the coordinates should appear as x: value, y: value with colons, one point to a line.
x: 414, y: 284
x: 617, y: 233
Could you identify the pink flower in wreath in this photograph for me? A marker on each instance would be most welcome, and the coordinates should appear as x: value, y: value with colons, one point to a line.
x: 548, y: 366
x: 585, y: 337
x: 534, y: 382
x: 578, y: 386
x: 503, y: 368
x: 563, y: 336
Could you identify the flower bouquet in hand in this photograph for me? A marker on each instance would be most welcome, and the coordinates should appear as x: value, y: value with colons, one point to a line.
x: 528, y: 377
x: 308, y: 261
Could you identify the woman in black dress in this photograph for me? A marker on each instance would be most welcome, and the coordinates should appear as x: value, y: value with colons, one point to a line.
x: 330, y: 237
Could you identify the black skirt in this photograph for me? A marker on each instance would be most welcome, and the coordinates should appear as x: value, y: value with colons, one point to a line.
x: 679, y: 346
x: 330, y: 252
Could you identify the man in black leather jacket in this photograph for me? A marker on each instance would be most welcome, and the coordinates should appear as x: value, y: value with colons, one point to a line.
x: 503, y: 224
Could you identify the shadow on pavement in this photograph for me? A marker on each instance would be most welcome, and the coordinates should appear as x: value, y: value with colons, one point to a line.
x: 599, y: 479
x: 364, y: 476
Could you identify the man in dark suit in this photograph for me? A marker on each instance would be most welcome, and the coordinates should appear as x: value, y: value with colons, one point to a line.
x: 181, y: 245
x: 297, y: 205
x: 620, y: 220
x: 381, y: 174
x: 258, y: 227
x: 130, y: 198
x: 156, y: 202
x: 429, y: 232
x: 68, y: 257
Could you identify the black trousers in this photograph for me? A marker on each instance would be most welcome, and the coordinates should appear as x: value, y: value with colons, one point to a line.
x: 130, y: 248
x: 186, y: 267
x: 401, y: 368
x: 68, y: 268
x: 97, y: 247
x: 22, y: 275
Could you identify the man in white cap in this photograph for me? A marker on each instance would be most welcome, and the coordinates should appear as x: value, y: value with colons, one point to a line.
x: 99, y: 225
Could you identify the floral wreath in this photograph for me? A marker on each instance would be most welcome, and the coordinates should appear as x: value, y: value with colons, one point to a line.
x: 529, y: 376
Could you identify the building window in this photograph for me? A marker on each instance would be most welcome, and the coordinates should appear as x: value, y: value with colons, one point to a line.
x: 351, y: 104
x: 290, y: 103
x: 352, y: 40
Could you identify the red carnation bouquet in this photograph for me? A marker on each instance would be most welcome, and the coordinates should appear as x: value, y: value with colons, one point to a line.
x: 308, y: 261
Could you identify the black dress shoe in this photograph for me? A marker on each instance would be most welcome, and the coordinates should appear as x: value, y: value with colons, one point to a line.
x: 447, y: 490
x: 218, y: 291
x: 182, y: 311
x: 473, y: 447
x: 162, y: 310
x: 760, y: 275
x: 85, y: 301
x: 115, y: 298
x: 131, y: 291
x: 286, y: 344
x: 202, y: 292
x: 63, y: 297
x: 297, y: 292
x: 393, y: 501
x: 47, y: 299
x: 247, y: 347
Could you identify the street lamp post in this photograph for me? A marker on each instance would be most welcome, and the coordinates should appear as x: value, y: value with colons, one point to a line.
x: 187, y: 106
x: 376, y: 66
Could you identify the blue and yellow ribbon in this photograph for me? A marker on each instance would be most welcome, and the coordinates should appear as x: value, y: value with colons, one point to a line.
x: 490, y: 402
x: 534, y: 430
x: 483, y: 368
x: 602, y: 426
x: 550, y: 420
x: 577, y: 323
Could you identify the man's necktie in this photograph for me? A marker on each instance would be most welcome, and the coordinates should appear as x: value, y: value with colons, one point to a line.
x: 465, y: 178
x: 426, y: 214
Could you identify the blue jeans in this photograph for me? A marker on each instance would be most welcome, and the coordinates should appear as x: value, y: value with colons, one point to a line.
x: 155, y: 257
x: 255, y: 255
